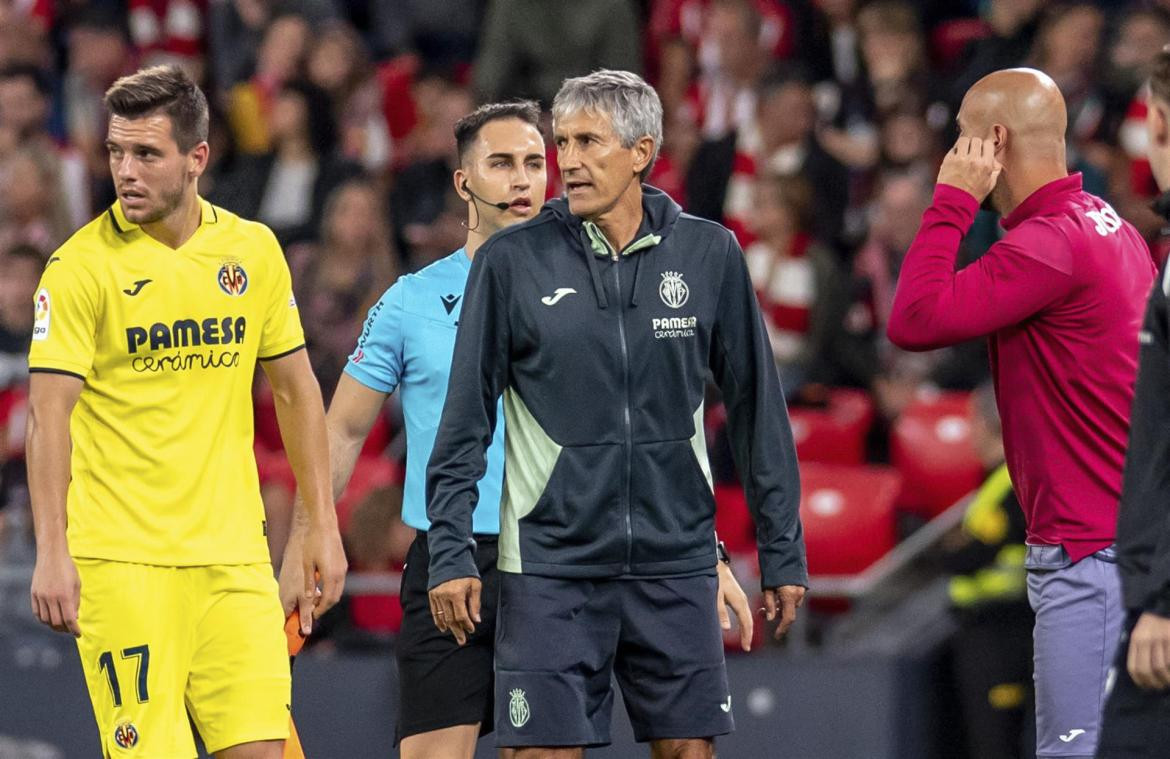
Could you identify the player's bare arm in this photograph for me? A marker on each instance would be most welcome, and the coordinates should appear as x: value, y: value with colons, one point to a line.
x: 351, y: 415
x: 301, y: 415
x: 56, y: 587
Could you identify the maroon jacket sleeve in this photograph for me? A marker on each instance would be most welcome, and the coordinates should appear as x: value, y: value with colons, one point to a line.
x: 936, y: 306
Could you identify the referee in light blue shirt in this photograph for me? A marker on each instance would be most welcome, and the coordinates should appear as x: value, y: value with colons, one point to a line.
x: 445, y: 698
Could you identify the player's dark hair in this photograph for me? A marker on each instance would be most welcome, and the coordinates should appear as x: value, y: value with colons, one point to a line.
x: 167, y: 90
x: 1160, y: 76
x: 467, y: 128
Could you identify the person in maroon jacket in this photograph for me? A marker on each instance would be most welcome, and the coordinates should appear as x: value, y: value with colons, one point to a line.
x: 1060, y: 298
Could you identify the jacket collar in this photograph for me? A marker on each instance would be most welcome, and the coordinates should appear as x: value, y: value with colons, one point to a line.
x: 1042, y: 198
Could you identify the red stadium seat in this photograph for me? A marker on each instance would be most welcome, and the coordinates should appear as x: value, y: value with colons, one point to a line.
x: 930, y: 446
x: 835, y: 434
x: 848, y: 516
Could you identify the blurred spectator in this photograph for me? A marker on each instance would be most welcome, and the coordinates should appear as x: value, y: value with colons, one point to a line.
x: 795, y: 277
x: 895, y: 80
x: 893, y: 53
x: 680, y: 143
x: 1013, y: 26
x: 286, y: 187
x: 98, y: 53
x: 908, y: 144
x: 20, y: 271
x: 425, y: 210
x: 831, y: 52
x: 899, y: 203
x: 339, y: 65
x: 237, y: 29
x: 170, y: 32
x: 782, y: 141
x: 992, y: 650
x: 724, y: 99
x: 1141, y: 34
x: 280, y: 60
x: 337, y: 280
x: 529, y: 47
x: 24, y: 33
x: 215, y: 184
x: 24, y: 115
x: 901, y: 199
x: 442, y: 32
x: 33, y: 209
x: 1068, y: 47
x: 686, y: 38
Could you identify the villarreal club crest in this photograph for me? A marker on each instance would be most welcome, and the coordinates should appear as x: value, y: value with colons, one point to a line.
x: 232, y: 278
x: 126, y: 735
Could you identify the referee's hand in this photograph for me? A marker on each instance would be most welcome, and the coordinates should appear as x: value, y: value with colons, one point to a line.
x: 455, y: 606
x: 1148, y: 661
x: 56, y: 591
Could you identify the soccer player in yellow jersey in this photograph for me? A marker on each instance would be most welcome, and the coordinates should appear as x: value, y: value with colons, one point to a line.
x: 150, y: 532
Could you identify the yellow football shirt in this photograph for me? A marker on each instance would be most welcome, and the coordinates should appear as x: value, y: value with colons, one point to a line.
x: 166, y: 342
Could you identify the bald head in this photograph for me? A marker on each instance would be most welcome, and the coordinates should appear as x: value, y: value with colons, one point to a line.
x: 1025, y: 102
x: 1020, y: 111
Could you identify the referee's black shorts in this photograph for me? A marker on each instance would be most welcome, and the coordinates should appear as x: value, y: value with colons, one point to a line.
x: 1136, y: 722
x: 442, y: 684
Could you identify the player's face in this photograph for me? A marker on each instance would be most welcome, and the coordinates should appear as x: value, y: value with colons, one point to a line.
x: 151, y: 175
x: 507, y: 164
x: 595, y: 169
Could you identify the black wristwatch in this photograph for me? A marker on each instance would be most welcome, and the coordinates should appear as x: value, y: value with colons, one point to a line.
x: 721, y: 552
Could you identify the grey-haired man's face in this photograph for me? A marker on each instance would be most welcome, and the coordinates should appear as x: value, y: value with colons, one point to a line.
x: 595, y: 169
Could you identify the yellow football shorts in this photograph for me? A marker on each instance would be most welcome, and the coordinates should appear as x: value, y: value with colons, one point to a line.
x: 159, y: 643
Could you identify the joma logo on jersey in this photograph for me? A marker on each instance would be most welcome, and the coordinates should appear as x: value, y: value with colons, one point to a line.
x: 187, y: 333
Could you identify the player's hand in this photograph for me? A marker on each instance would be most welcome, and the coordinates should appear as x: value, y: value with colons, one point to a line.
x: 56, y: 591
x: 291, y: 581
x: 455, y: 606
x: 784, y: 600
x: 971, y: 166
x: 731, y: 594
x: 1148, y: 661
x: 323, y: 566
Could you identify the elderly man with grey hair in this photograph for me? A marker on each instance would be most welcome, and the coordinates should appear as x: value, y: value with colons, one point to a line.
x: 599, y: 322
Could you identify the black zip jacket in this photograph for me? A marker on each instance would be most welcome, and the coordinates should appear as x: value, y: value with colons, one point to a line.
x: 602, y: 359
x: 1143, y: 524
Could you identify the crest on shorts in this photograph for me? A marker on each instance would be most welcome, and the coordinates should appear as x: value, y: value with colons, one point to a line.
x: 518, y: 710
x: 673, y: 291
x: 126, y: 735
x: 232, y: 278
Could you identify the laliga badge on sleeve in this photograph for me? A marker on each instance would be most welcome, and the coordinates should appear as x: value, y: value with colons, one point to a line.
x: 41, y: 319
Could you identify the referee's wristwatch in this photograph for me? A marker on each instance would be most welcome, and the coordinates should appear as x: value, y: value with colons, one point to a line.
x: 721, y: 552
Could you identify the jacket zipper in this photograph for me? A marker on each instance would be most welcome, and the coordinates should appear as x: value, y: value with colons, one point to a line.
x: 626, y: 413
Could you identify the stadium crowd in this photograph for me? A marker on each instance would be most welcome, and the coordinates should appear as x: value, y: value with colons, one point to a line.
x: 812, y: 128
